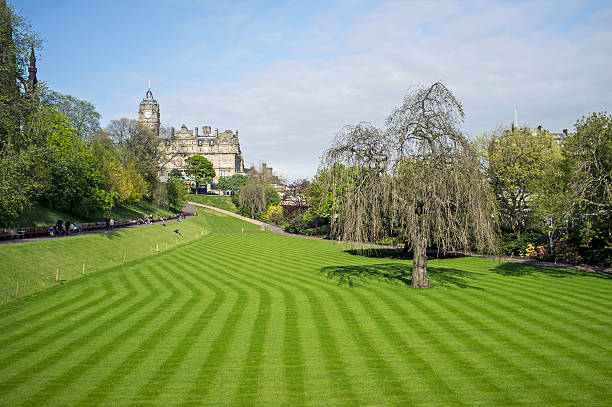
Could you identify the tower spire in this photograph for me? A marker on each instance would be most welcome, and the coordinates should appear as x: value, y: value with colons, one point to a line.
x: 149, y: 84
x: 32, y: 80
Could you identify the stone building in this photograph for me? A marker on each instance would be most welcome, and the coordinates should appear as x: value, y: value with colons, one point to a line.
x: 221, y: 149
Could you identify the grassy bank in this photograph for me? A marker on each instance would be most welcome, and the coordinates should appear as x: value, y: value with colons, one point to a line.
x: 259, y: 319
x: 43, y: 216
x: 221, y: 202
x: 33, y: 265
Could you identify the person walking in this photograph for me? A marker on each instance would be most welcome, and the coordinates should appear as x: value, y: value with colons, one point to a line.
x: 111, y: 223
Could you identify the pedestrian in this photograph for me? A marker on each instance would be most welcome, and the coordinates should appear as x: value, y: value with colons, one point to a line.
x: 68, y: 224
x: 184, y: 214
x: 107, y: 221
x: 59, y: 227
x: 111, y: 223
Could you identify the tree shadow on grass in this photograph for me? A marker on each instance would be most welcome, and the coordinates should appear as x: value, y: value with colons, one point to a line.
x: 522, y: 270
x: 395, y: 273
x: 400, y: 254
x: 111, y: 235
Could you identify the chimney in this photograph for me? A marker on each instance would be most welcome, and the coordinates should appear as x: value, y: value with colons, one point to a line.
x: 196, y: 131
x: 236, y: 132
x: 540, y: 127
x: 565, y: 132
x: 172, y: 132
x: 216, y: 132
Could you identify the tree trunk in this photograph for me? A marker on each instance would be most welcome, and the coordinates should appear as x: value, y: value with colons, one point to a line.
x: 419, y: 265
x: 197, y: 192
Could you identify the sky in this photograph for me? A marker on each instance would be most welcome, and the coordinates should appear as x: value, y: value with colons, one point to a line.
x: 290, y: 75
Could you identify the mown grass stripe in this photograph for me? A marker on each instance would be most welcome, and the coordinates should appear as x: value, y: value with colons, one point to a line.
x: 96, y: 355
x: 252, y: 365
x: 335, y: 366
x: 293, y: 361
x: 155, y: 386
x: 555, y: 311
x: 57, y: 332
x: 31, y: 332
x: 543, y: 332
x: 25, y: 321
x: 497, y: 353
x: 418, y: 316
x: 459, y: 363
x: 40, y: 365
x: 387, y: 380
x: 218, y: 349
x: 534, y: 383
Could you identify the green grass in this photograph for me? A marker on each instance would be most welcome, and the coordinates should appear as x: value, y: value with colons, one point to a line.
x: 33, y: 264
x: 222, y: 202
x: 253, y: 319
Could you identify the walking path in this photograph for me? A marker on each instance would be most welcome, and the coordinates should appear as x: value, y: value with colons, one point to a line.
x: 89, y: 232
x: 530, y: 262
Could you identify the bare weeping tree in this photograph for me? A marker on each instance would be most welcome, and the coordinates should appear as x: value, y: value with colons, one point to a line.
x: 252, y: 197
x: 419, y: 180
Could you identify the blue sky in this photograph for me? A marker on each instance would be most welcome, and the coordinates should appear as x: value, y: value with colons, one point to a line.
x: 289, y: 75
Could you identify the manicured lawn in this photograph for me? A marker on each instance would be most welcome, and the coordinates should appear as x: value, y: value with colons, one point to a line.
x: 222, y: 202
x: 33, y: 265
x: 251, y: 318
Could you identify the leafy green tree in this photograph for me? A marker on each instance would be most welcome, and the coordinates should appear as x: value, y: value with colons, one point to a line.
x: 175, y: 173
x: 588, y: 158
x: 139, y: 147
x: 552, y: 202
x: 517, y: 160
x: 81, y: 114
x: 176, y: 191
x: 272, y: 195
x: 71, y: 164
x: 233, y: 183
x: 200, y: 169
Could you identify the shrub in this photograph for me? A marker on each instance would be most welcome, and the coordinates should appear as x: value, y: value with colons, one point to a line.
x: 274, y: 214
x: 510, y: 245
x: 566, y: 251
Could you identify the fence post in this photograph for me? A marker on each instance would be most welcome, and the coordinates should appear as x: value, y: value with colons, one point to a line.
x: 17, y: 289
x: 83, y: 268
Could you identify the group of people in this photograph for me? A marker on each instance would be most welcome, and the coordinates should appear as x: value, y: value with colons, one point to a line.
x: 64, y: 228
x: 68, y: 227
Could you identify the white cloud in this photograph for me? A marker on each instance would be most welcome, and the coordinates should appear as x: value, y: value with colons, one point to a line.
x: 494, y: 56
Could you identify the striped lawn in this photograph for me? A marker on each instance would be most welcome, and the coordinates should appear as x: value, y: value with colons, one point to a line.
x: 252, y: 319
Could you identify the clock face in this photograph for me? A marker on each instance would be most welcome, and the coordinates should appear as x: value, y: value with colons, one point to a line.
x: 147, y: 115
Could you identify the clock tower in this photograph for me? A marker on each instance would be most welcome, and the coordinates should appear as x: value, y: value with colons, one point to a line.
x: 148, y: 114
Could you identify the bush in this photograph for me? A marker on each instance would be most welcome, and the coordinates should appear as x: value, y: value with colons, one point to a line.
x: 566, y: 251
x: 297, y: 226
x: 510, y: 245
x: 274, y: 214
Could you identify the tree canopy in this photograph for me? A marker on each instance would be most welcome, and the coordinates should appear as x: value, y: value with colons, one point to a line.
x: 200, y: 169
